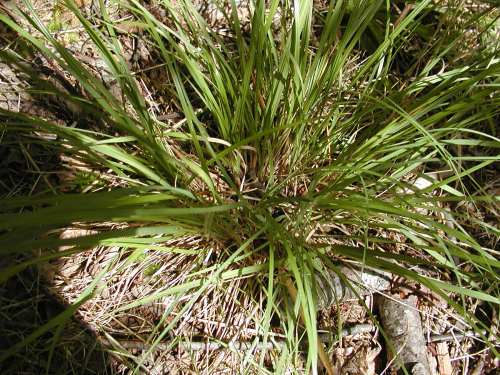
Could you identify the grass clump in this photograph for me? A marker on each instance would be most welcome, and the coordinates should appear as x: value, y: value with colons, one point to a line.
x: 298, y: 149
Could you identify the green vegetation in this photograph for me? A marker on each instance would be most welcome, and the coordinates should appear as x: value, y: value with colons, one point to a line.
x: 294, y: 125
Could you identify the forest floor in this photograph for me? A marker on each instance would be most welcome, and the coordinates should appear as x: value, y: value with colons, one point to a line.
x: 38, y: 294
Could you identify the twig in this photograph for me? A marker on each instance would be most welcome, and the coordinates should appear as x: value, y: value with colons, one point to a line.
x: 455, y: 336
x: 403, y: 14
x: 211, y: 345
x: 196, y: 345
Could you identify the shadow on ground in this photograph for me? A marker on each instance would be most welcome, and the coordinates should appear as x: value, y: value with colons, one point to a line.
x: 68, y: 348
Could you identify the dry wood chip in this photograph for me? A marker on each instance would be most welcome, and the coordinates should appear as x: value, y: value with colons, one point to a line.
x: 443, y: 359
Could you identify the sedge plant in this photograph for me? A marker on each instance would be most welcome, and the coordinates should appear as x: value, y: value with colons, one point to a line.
x: 294, y: 123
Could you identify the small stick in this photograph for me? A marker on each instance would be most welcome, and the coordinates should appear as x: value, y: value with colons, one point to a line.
x: 403, y: 14
x: 211, y: 345
x: 196, y: 345
x: 455, y: 336
x: 275, y: 344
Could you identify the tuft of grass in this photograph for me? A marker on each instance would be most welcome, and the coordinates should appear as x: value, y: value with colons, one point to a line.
x: 293, y: 124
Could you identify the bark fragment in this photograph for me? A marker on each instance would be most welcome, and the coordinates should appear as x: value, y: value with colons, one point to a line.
x: 402, y: 325
x: 331, y: 288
